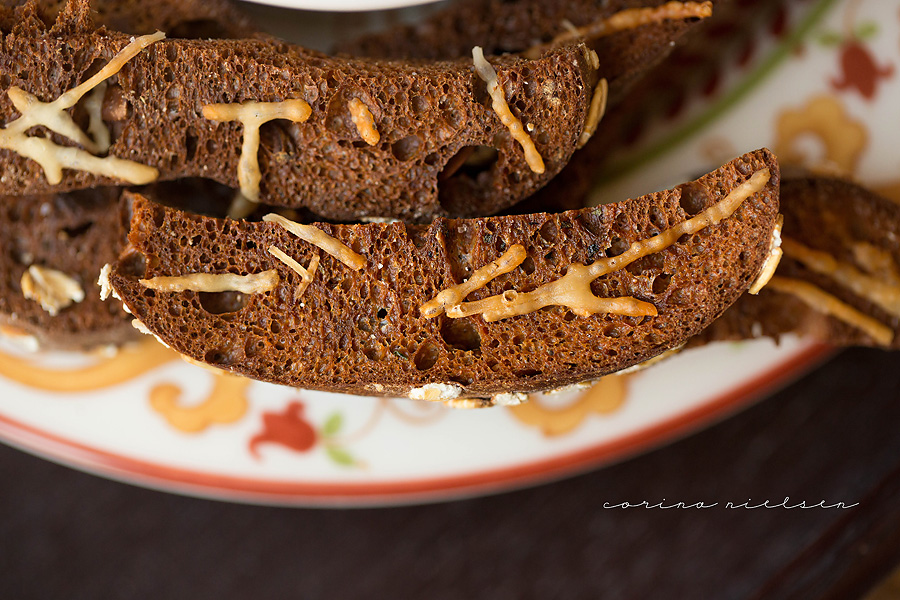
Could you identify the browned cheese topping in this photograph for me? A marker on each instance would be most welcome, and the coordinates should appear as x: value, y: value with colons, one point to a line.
x: 254, y: 283
x: 364, y: 121
x: 573, y: 290
x: 885, y: 294
x: 498, y: 102
x: 595, y: 113
x: 252, y: 115
x: 306, y: 274
x: 317, y: 237
x: 52, y: 289
x: 876, y: 261
x: 772, y: 259
x: 511, y: 259
x: 827, y: 304
x: 52, y: 115
x: 624, y: 20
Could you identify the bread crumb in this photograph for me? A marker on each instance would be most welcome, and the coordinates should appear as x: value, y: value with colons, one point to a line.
x: 434, y: 392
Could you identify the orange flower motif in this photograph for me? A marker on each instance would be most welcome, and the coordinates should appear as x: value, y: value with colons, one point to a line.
x: 128, y: 363
x: 226, y: 403
x: 824, y: 119
x: 554, y: 418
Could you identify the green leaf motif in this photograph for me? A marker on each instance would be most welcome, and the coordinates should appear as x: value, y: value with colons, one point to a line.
x: 340, y: 456
x: 830, y: 38
x: 867, y: 30
x: 333, y: 424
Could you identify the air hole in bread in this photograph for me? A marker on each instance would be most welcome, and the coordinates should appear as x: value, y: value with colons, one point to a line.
x: 133, y: 264
x: 527, y: 372
x: 617, y: 247
x: 74, y: 232
x: 375, y: 351
x: 661, y: 283
x: 470, y: 162
x: 694, y: 198
x: 407, y: 148
x: 217, y: 356
x: 460, y: 334
x: 426, y: 356
x: 528, y: 265
x: 382, y: 313
x: 190, y: 146
x: 658, y: 218
x: 549, y: 232
x: 220, y: 303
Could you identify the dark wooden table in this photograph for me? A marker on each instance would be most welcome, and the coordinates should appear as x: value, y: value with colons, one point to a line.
x: 833, y: 436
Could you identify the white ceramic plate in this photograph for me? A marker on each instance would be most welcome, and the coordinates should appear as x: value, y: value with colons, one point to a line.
x: 146, y: 417
x: 343, y: 5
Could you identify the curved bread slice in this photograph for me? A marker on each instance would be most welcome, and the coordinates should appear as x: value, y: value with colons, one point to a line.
x: 522, y: 26
x: 425, y: 116
x: 362, y: 331
x: 839, y: 279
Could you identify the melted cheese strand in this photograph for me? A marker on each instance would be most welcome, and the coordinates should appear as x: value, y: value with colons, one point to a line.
x: 883, y: 294
x: 54, y: 158
x: 364, y: 121
x: 313, y: 266
x: 595, y: 112
x: 254, y: 283
x: 827, y: 304
x: 252, y: 115
x: 305, y: 275
x: 498, y: 102
x: 711, y: 216
x: 772, y: 259
x: 510, y: 259
x: 319, y: 238
x: 573, y: 289
x: 93, y: 104
x: 630, y: 18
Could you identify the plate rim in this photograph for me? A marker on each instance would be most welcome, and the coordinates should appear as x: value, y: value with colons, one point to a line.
x: 279, y: 492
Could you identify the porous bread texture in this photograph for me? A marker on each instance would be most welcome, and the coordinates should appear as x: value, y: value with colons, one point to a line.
x: 833, y: 216
x: 499, y: 27
x: 362, y: 332
x: 78, y: 232
x: 178, y: 18
x: 426, y: 114
x: 74, y: 233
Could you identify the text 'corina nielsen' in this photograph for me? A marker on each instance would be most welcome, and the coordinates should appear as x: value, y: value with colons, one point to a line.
x: 748, y: 505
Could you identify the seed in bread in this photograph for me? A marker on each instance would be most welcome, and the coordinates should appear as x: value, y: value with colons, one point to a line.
x: 359, y: 329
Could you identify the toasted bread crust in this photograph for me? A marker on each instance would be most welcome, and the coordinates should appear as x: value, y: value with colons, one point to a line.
x: 361, y: 331
x: 516, y: 27
x: 827, y: 215
x: 425, y: 114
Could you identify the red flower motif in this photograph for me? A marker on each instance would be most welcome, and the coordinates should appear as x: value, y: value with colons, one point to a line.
x: 287, y: 428
x: 859, y: 70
